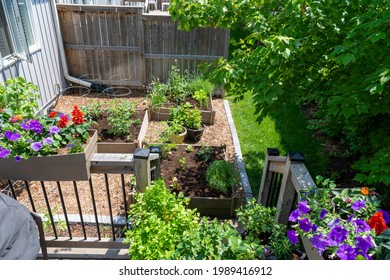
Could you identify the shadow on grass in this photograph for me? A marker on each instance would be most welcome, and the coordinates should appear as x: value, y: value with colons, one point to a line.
x: 285, y: 128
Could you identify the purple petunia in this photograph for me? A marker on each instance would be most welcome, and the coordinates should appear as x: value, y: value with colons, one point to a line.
x: 386, y: 216
x: 361, y: 226
x: 4, y: 152
x: 334, y: 222
x: 47, y: 141
x: 292, y: 236
x: 350, y: 218
x: 35, y: 126
x: 364, y: 243
x: 18, y: 159
x: 305, y: 225
x: 303, y: 207
x: 337, y: 235
x: 346, y: 252
x: 12, y: 136
x: 54, y: 130
x: 319, y: 242
x: 25, y: 126
x: 36, y: 146
x: 323, y: 213
x: 358, y: 204
x: 294, y: 215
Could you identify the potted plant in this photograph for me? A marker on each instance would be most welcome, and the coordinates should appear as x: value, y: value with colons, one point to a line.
x: 55, y: 147
x: 193, y: 123
x: 176, y: 132
x: 191, y: 118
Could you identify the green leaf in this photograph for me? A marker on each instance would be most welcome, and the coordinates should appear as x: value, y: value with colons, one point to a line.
x: 346, y: 58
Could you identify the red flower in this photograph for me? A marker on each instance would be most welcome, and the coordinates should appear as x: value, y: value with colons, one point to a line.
x: 63, y: 121
x: 52, y: 114
x: 77, y: 116
x: 377, y: 222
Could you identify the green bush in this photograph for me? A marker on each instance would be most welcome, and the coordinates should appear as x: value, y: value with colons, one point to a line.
x: 159, y: 220
x: 222, y: 175
x: 216, y: 241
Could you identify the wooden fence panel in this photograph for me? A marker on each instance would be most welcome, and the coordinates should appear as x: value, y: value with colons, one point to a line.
x: 120, y: 45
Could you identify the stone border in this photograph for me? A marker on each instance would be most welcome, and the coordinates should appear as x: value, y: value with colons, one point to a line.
x: 238, y: 153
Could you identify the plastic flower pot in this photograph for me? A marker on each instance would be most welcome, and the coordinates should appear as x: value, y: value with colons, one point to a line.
x: 178, y: 138
x: 194, y: 134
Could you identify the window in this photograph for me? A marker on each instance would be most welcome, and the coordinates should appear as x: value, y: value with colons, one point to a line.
x: 16, y: 30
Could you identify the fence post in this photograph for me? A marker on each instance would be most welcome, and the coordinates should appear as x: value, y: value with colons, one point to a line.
x: 142, y: 169
x: 265, y: 184
x: 287, y: 189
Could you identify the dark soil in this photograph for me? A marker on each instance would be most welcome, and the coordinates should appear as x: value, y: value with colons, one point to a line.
x: 103, y: 127
x: 190, y: 177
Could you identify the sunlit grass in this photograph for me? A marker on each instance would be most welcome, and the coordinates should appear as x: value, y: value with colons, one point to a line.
x: 284, y: 129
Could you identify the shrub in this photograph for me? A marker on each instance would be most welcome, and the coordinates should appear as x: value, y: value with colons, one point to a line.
x: 222, y: 175
x: 159, y: 220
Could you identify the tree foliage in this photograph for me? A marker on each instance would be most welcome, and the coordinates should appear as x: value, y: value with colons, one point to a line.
x: 333, y: 53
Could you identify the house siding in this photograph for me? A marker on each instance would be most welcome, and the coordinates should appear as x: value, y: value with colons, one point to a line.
x: 44, y: 70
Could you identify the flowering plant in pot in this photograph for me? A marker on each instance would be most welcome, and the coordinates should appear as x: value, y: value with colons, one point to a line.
x: 22, y: 138
x: 341, y: 224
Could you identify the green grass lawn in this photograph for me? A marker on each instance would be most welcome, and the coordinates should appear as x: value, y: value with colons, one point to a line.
x: 285, y: 129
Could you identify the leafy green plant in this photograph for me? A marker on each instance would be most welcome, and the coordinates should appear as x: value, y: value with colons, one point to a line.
x: 222, y: 175
x: 189, y: 148
x: 159, y: 219
x: 46, y: 222
x: 213, y: 240
x: 205, y: 153
x: 93, y: 110
x: 158, y: 93
x: 193, y: 119
x: 75, y: 146
x: 258, y: 221
x: 198, y: 83
x: 178, y: 85
x: 202, y: 97
x: 19, y: 97
x: 183, y: 163
x: 120, y: 117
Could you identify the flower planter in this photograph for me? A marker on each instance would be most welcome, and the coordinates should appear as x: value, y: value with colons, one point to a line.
x: 311, y: 252
x: 215, y: 207
x: 162, y: 113
x: 124, y: 148
x: 66, y: 167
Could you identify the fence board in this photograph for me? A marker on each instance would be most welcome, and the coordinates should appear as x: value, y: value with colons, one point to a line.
x: 128, y: 47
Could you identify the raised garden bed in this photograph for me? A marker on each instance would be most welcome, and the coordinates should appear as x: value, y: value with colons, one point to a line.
x: 184, y: 171
x: 161, y: 112
x: 107, y: 144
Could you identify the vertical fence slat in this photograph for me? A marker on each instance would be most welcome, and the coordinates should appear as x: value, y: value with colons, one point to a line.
x: 64, y: 209
x: 79, y: 208
x: 109, y: 206
x: 12, y: 189
x: 94, y: 208
x: 49, y: 209
x: 29, y: 196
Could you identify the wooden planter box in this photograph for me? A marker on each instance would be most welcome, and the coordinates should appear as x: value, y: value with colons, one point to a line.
x: 126, y: 148
x: 68, y: 167
x: 214, y: 207
x: 162, y: 114
x: 311, y: 252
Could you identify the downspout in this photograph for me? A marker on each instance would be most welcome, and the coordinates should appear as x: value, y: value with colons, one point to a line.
x: 62, y: 51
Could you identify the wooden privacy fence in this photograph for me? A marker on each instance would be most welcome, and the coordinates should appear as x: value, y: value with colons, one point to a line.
x: 86, y: 218
x: 121, y: 45
x: 283, y: 179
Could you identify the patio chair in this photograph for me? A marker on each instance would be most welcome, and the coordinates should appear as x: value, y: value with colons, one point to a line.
x: 42, y: 242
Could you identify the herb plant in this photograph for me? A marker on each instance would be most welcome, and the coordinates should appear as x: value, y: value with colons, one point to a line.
x: 222, y: 175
